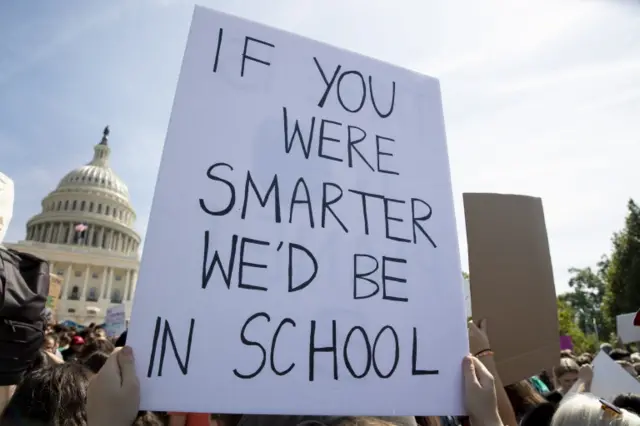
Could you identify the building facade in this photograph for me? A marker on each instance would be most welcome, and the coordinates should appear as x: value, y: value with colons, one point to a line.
x: 85, y: 232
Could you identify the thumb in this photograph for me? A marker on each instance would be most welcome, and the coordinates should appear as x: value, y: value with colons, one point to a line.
x: 484, y: 376
x: 469, y: 371
x: 127, y: 368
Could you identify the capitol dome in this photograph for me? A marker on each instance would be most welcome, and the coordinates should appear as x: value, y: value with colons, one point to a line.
x: 90, y: 208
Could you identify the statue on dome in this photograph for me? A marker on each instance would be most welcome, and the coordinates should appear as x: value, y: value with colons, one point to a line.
x: 105, y: 136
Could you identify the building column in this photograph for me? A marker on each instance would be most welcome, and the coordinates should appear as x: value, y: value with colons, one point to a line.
x: 52, y: 267
x: 67, y: 280
x: 134, y: 282
x: 83, y: 290
x: 103, y: 285
x: 109, y: 285
x: 61, y: 233
x: 127, y: 285
x: 101, y: 237
x: 47, y: 233
x: 108, y: 237
x: 70, y: 233
x: 92, y: 230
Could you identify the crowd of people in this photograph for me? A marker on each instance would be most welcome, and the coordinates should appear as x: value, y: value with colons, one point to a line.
x: 81, y: 378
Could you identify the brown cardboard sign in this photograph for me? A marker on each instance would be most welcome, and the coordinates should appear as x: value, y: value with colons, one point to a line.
x: 512, y: 281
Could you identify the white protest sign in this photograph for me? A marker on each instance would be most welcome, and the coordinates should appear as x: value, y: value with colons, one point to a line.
x: 611, y: 379
x: 6, y: 204
x: 627, y: 331
x: 301, y: 255
x: 115, y: 323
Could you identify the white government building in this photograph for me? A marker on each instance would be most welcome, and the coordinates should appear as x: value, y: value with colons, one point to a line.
x: 85, y: 231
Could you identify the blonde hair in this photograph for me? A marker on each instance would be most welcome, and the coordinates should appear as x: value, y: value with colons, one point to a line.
x: 567, y: 365
x: 586, y: 410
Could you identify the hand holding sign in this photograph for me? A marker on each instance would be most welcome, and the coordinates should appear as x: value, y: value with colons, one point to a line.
x: 480, y: 393
x: 478, y: 337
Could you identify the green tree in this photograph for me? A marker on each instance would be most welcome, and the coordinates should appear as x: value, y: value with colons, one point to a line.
x: 568, y: 327
x: 587, y: 296
x: 622, y: 293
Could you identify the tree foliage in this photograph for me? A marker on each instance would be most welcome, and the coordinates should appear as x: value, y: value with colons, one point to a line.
x: 612, y: 288
x: 586, y: 298
x: 568, y: 327
x: 623, y: 272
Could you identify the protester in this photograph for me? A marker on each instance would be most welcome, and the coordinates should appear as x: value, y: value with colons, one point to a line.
x: 77, y: 342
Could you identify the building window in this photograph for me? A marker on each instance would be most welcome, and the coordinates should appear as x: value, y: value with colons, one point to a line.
x: 115, y: 212
x: 106, y: 210
x: 74, y: 205
x: 75, y: 293
x: 60, y: 273
x: 82, y: 206
x: 116, y: 297
x: 66, y: 205
x: 99, y: 208
x: 91, y: 207
x: 95, y: 275
x: 78, y: 273
x: 93, y: 295
x: 118, y: 277
x: 71, y: 310
x: 59, y: 205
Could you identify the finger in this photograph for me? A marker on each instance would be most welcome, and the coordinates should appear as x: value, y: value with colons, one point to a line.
x: 473, y: 328
x: 483, y: 375
x: 127, y: 367
x: 468, y: 369
x: 483, y: 325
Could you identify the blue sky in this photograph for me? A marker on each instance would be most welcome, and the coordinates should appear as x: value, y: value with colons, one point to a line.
x: 540, y: 98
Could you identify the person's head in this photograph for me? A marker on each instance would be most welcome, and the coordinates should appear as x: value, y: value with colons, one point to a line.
x: 540, y: 415
x: 53, y: 395
x: 64, y: 341
x: 50, y: 343
x: 620, y: 355
x: 629, y: 402
x: 100, y: 333
x: 98, y: 345
x: 42, y: 360
x: 566, y: 374
x: 606, y: 348
x: 95, y: 361
x: 566, y: 353
x: 584, y: 359
x: 587, y: 410
x: 523, y: 397
x: 628, y: 367
x: 77, y: 342
x: 147, y: 418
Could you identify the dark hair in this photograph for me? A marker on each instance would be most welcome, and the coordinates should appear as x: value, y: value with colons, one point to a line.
x: 540, y: 415
x: 95, y: 361
x: 629, y: 402
x: 523, y: 397
x: 54, y: 395
x: 65, y: 340
x: 97, y: 345
x: 619, y: 355
x: 42, y: 360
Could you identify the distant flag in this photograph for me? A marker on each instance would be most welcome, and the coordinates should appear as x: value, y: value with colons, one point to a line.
x: 81, y: 227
